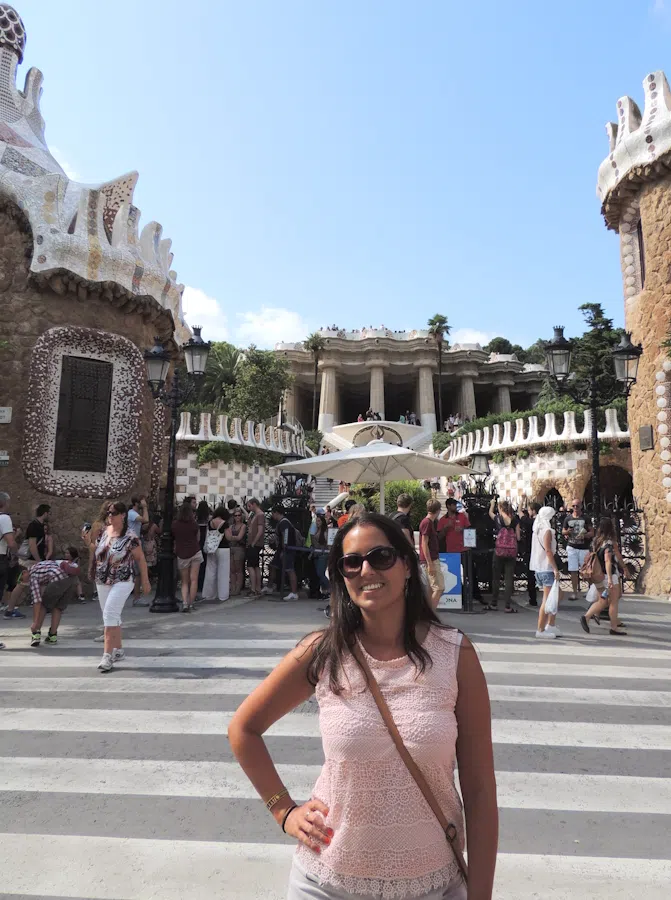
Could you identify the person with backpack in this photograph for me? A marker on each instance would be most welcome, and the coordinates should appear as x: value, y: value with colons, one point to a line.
x: 402, y: 516
x: 605, y: 568
x: 507, y: 534
x: 288, y: 537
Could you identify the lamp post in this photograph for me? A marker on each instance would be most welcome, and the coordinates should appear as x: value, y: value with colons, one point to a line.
x: 625, y: 357
x: 158, y: 361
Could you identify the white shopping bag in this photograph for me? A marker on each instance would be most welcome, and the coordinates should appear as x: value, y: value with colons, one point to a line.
x: 552, y: 602
x: 592, y: 595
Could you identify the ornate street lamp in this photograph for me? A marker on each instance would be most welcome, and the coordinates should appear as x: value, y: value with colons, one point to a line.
x: 480, y: 465
x: 158, y: 361
x: 625, y: 360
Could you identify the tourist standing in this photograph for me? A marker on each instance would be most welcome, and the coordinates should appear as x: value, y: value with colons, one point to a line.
x: 507, y: 535
x: 354, y: 836
x: 320, y: 551
x: 116, y: 552
x: 284, y: 560
x: 526, y: 528
x: 203, y: 514
x: 256, y: 536
x: 53, y: 584
x: 189, y: 557
x: 543, y: 563
x: 138, y: 515
x: 402, y: 516
x: 429, y: 552
x: 8, y: 546
x: 608, y: 553
x: 578, y: 532
x: 236, y: 535
x: 218, y: 571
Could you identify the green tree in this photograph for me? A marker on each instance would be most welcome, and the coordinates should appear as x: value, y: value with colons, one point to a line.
x: 593, y: 351
x: 314, y: 344
x: 534, y: 354
x: 223, y: 364
x: 261, y: 379
x: 503, y: 345
x: 438, y: 328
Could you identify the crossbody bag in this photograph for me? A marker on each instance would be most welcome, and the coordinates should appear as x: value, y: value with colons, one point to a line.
x: 449, y: 829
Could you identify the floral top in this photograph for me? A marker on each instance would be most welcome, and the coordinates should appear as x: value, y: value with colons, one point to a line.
x: 114, y: 560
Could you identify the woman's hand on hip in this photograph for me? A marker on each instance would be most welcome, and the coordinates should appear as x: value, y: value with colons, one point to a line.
x: 306, y: 824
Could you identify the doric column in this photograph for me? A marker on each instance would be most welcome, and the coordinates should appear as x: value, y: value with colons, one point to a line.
x: 503, y: 386
x: 427, y: 403
x: 290, y: 403
x: 376, y: 366
x: 328, y: 398
x: 467, y: 394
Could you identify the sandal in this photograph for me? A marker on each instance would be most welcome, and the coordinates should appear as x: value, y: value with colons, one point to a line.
x: 618, y: 633
x: 510, y: 609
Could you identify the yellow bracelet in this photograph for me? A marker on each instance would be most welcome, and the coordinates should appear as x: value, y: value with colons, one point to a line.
x: 276, y: 798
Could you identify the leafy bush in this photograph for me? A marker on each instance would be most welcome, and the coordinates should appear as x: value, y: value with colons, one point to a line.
x: 522, y: 454
x: 498, y: 457
x: 219, y: 450
x: 440, y: 441
x: 313, y: 440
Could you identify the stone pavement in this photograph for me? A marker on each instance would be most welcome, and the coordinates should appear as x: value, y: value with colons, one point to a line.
x: 123, y: 787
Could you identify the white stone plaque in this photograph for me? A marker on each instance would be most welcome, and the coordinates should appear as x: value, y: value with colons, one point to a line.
x: 5, y: 415
x: 470, y: 540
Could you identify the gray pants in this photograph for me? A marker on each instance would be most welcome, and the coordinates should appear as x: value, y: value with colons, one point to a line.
x: 307, y: 887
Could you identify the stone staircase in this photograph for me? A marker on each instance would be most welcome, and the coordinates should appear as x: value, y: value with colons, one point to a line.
x: 324, y: 492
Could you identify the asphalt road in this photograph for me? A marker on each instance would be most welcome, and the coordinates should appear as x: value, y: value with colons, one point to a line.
x: 123, y: 786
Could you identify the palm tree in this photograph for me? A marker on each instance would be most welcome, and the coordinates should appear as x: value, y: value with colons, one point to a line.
x: 314, y: 344
x: 438, y: 328
x: 223, y: 363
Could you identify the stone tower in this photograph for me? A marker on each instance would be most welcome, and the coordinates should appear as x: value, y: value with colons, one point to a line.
x: 634, y: 186
x: 83, y: 291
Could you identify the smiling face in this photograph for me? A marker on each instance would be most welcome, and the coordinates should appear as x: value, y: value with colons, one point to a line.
x: 374, y: 590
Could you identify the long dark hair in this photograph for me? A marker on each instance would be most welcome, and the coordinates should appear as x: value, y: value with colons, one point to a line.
x: 120, y: 507
x: 604, y: 533
x: 346, y: 620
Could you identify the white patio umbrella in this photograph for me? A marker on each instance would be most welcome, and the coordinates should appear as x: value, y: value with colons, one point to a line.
x: 376, y: 462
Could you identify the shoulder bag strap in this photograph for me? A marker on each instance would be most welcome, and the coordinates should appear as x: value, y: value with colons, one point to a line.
x: 412, y: 767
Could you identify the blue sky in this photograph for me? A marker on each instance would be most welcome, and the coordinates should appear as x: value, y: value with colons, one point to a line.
x: 360, y: 161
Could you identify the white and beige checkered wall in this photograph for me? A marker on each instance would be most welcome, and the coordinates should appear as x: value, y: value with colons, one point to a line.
x: 221, y: 480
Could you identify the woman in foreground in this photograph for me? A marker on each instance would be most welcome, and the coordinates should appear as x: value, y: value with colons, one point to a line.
x: 367, y: 831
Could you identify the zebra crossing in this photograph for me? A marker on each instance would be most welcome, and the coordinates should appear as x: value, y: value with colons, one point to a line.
x: 123, y: 786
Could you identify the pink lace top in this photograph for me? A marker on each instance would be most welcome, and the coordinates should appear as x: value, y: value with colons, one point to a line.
x: 387, y: 841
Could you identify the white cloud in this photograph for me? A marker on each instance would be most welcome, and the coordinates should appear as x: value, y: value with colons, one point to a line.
x: 269, y: 326
x: 203, y: 310
x: 471, y: 336
x: 661, y: 10
x: 72, y: 173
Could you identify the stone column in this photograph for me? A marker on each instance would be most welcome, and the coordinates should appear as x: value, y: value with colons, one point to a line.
x: 467, y: 395
x: 328, y: 398
x: 503, y: 386
x: 376, y: 367
x: 427, y: 403
x: 290, y: 403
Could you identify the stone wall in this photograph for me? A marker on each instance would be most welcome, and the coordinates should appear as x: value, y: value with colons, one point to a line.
x: 647, y: 316
x: 28, y: 310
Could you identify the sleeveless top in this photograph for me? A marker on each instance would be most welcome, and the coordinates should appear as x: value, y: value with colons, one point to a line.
x: 387, y: 841
x: 539, y: 558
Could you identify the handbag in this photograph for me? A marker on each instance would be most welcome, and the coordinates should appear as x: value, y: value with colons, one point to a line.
x: 449, y: 829
x: 24, y: 550
x: 212, y: 540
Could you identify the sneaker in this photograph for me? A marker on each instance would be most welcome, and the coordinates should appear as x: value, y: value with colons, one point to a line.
x: 142, y: 601
x: 118, y: 655
x: 291, y: 596
x: 554, y: 629
x: 546, y: 635
x: 14, y: 614
x: 106, y: 663
x: 99, y: 639
x: 51, y: 639
x: 571, y: 597
x: 35, y: 639
x: 266, y: 590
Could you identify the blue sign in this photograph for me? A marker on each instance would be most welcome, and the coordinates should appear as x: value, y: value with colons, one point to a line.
x: 451, y: 566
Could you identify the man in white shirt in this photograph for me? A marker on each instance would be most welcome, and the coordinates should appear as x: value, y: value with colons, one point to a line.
x: 7, y: 544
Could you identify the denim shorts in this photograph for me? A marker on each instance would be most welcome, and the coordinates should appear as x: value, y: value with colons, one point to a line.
x: 545, y: 579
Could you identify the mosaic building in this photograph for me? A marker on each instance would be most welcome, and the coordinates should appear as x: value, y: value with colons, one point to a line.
x: 83, y: 290
x: 396, y: 372
x: 634, y: 186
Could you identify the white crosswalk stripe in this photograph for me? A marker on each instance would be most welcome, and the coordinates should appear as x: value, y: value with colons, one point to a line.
x: 131, y: 772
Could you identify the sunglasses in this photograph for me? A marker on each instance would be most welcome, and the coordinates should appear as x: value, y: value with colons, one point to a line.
x: 379, y: 558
